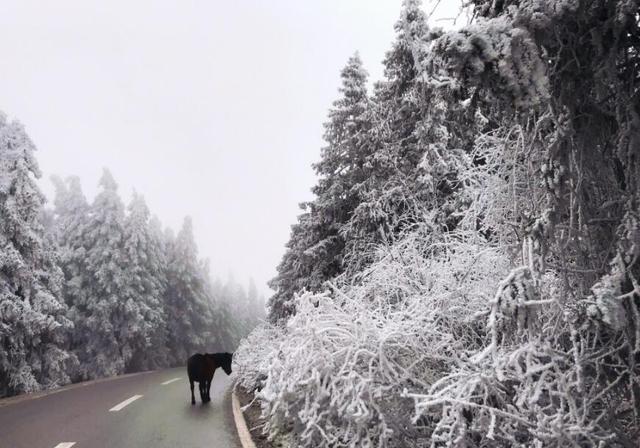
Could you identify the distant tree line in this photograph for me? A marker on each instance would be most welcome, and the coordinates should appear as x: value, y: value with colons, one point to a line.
x: 89, y: 290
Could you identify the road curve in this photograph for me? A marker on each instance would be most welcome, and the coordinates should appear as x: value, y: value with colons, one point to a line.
x: 148, y: 410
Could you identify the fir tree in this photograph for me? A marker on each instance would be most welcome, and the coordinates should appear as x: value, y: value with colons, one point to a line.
x: 104, y: 318
x: 316, y: 247
x: 159, y: 338
x: 256, y: 304
x: 71, y: 215
x: 144, y: 265
x: 33, y: 326
x: 188, y: 312
x: 388, y: 160
x: 224, y: 325
x: 402, y: 105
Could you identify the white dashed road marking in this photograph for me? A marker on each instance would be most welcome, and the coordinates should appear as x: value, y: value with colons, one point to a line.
x: 65, y: 445
x: 171, y: 381
x: 119, y: 406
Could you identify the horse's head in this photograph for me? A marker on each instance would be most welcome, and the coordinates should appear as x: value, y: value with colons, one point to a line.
x: 225, y: 363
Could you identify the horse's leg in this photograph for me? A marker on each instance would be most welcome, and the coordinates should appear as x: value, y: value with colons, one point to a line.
x: 203, y: 391
x: 209, y: 387
x: 193, y: 397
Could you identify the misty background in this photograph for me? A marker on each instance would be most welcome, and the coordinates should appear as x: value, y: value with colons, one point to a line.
x: 208, y: 109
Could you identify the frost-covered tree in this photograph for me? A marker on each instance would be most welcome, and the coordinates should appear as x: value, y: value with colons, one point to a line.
x: 389, y: 160
x: 316, y: 248
x: 144, y: 286
x: 33, y: 324
x: 562, y: 128
x: 227, y: 326
x: 104, y: 317
x: 235, y: 297
x: 71, y: 214
x: 506, y: 312
x: 289, y: 279
x: 187, y: 305
x: 158, y: 242
x: 256, y: 304
x: 413, y: 162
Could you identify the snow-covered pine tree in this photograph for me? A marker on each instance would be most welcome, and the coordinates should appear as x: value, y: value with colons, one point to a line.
x: 542, y: 348
x: 224, y: 325
x: 256, y: 306
x: 188, y: 313
x: 316, y: 247
x: 389, y: 159
x: 236, y: 296
x: 409, y: 159
x: 33, y: 325
x: 71, y: 214
x: 159, y: 244
x: 558, y: 82
x: 290, y: 278
x: 106, y: 320
x: 71, y: 210
x: 144, y: 287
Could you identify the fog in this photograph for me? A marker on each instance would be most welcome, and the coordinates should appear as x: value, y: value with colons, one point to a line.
x: 208, y: 109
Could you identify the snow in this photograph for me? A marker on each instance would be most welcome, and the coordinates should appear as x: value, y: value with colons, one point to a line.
x: 486, y: 291
x: 466, y: 274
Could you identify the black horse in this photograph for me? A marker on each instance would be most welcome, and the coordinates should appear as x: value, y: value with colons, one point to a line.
x: 201, y: 368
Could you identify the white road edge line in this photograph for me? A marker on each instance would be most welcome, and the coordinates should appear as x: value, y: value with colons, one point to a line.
x: 65, y: 445
x: 119, y: 406
x: 171, y: 381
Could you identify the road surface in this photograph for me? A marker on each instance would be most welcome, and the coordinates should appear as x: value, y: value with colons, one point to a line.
x: 147, y: 410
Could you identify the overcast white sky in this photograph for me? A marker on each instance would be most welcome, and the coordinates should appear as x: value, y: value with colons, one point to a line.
x: 212, y: 109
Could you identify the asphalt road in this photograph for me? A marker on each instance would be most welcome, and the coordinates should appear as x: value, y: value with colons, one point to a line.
x: 132, y: 411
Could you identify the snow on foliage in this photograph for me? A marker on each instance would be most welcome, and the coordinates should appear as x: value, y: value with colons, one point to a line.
x: 145, y: 266
x: 494, y: 53
x: 186, y: 299
x: 335, y: 375
x: 511, y: 143
x: 33, y: 324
